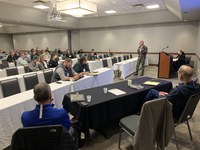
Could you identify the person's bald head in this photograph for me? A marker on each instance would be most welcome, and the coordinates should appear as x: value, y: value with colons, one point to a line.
x: 185, y: 73
x: 141, y: 43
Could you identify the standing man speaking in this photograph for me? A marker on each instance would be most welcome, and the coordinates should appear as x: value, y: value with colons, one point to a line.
x: 142, y: 51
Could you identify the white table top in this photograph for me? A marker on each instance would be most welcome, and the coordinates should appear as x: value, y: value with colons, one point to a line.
x: 12, y: 107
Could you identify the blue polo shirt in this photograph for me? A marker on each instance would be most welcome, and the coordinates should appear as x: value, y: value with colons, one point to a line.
x: 50, y: 116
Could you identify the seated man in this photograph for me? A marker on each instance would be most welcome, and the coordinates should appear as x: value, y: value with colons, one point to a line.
x: 44, y: 112
x: 21, y: 61
x: 179, y: 95
x: 81, y: 65
x: 64, y: 71
x: 34, y: 64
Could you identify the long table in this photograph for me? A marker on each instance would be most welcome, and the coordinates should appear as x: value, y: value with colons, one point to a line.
x: 12, y: 107
x: 107, y: 107
x: 127, y: 67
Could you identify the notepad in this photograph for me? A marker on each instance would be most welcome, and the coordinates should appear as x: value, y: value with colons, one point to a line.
x: 151, y: 83
x: 77, y: 97
x: 116, y: 92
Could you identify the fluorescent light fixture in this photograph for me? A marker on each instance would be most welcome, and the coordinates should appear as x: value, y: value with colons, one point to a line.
x: 1, y: 25
x: 76, y: 8
x: 110, y: 11
x: 152, y: 6
x: 41, y: 7
x: 185, y: 20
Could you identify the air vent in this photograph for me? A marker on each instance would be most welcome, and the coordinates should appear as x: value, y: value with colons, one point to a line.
x: 138, y: 5
x: 39, y: 1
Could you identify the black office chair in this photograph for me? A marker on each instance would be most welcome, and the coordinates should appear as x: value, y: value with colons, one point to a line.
x: 131, y: 56
x: 119, y: 59
x: 4, y: 64
x: 11, y: 71
x: 30, y: 81
x: 48, y: 75
x: 10, y: 87
x: 105, y: 56
x: 114, y: 60
x: 187, y: 114
x: 42, y: 138
x: 26, y: 69
x: 125, y: 58
x: 105, y: 63
x: 100, y: 57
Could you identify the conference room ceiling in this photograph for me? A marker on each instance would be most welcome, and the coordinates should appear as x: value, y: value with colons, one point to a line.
x: 120, y: 6
x: 28, y: 19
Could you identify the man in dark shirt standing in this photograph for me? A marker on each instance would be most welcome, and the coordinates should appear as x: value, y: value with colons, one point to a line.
x: 179, y: 95
x: 81, y: 65
x: 44, y: 112
x: 142, y: 51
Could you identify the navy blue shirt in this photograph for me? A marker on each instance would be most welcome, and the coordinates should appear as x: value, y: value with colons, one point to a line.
x: 179, y: 96
x: 50, y: 116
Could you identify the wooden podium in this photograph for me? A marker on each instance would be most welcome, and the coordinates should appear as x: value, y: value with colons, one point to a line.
x: 164, y: 65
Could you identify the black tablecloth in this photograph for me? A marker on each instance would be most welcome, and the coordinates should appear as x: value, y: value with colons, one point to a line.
x: 107, y: 107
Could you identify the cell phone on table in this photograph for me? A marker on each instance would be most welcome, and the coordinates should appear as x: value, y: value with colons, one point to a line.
x: 58, y: 82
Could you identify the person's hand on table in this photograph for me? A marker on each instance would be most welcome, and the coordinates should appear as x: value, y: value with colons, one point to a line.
x: 163, y: 93
x: 81, y: 74
x: 76, y: 77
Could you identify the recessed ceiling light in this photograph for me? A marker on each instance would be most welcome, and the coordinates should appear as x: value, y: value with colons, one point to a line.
x: 185, y: 20
x: 41, y: 7
x: 152, y: 6
x: 110, y: 11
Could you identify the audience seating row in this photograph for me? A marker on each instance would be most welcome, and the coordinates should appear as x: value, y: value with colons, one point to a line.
x: 11, y: 86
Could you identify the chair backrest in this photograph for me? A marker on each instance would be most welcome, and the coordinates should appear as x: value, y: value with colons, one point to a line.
x: 105, y: 55
x: 10, y: 87
x: 119, y: 59
x: 125, y: 58
x: 189, y: 108
x: 4, y: 64
x: 105, y: 63
x: 42, y: 138
x: 155, y: 125
x: 114, y: 60
x: 11, y: 71
x: 187, y: 60
x: 26, y: 69
x: 48, y: 75
x: 131, y: 56
x: 30, y: 81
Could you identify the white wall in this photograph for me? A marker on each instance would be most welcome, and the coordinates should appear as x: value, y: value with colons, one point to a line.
x: 176, y: 35
x: 6, y: 42
x: 42, y: 40
x: 75, y: 39
x: 198, y: 52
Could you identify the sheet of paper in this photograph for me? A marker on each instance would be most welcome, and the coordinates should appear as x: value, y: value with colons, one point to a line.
x: 77, y: 97
x: 116, y: 92
x: 151, y: 83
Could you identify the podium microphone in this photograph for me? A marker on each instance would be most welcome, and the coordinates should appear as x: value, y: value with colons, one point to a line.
x: 165, y: 48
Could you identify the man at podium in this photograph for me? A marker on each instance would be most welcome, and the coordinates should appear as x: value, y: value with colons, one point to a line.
x: 142, y: 51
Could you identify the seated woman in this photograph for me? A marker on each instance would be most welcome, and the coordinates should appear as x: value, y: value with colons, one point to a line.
x: 69, y: 54
x: 53, y: 62
x: 43, y: 63
x: 180, y: 61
